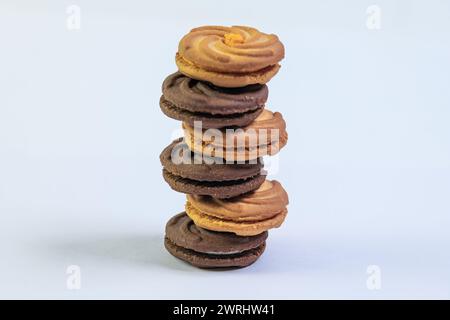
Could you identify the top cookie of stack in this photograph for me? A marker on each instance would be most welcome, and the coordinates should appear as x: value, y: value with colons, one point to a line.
x: 221, y: 78
x: 229, y: 56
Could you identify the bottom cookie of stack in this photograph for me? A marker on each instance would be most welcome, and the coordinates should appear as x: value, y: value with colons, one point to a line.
x: 210, y: 249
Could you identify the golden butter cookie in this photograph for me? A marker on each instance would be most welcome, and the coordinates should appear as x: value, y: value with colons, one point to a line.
x: 248, y: 214
x: 266, y: 135
x: 229, y: 56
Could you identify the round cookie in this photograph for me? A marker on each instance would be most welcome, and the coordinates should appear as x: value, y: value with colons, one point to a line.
x: 209, y: 249
x: 190, y: 100
x: 246, y: 215
x: 266, y: 135
x: 229, y: 56
x: 212, y: 177
x: 242, y: 228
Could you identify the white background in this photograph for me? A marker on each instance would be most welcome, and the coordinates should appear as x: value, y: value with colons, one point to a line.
x: 367, y: 165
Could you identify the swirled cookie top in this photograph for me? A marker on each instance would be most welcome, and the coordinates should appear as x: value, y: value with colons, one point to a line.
x: 235, y: 49
x: 182, y: 231
x: 198, y: 96
x: 267, y: 201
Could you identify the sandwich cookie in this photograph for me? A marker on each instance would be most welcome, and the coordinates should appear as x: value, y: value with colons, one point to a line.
x: 266, y: 135
x: 191, y: 100
x: 246, y: 215
x: 229, y: 56
x: 208, y: 176
x: 209, y: 249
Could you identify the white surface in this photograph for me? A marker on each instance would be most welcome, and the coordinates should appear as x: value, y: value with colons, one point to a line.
x: 367, y: 166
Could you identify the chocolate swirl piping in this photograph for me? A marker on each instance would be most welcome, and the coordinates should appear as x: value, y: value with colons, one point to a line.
x: 197, y: 96
x: 182, y: 231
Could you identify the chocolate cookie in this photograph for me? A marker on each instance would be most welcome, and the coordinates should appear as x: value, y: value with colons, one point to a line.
x: 209, y: 249
x: 211, y: 177
x: 191, y: 100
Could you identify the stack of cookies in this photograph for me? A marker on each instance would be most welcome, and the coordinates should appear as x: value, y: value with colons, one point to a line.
x: 219, y: 94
